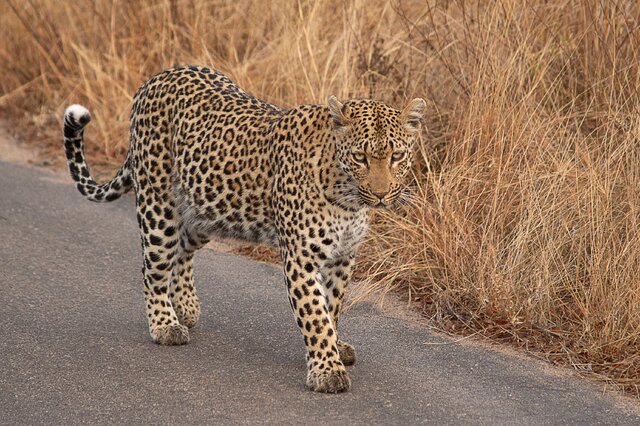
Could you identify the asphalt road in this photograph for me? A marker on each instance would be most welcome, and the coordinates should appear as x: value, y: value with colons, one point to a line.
x: 74, y: 346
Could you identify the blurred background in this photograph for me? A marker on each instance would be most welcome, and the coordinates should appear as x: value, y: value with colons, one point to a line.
x: 524, y: 226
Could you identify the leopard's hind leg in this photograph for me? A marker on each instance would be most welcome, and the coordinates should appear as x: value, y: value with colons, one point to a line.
x: 183, y: 288
x: 183, y: 291
x: 192, y: 236
x: 157, y: 217
x: 159, y: 251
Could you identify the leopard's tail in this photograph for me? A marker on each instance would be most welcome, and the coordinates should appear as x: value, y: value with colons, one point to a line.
x: 76, y: 117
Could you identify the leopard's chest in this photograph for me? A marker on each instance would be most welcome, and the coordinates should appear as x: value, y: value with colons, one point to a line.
x: 347, y: 233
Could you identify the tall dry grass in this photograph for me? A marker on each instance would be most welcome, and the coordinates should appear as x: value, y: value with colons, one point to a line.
x: 525, y: 220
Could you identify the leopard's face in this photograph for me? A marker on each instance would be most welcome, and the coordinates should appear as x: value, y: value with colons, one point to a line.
x: 375, y: 148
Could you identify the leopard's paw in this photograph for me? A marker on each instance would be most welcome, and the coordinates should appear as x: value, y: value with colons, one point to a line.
x: 171, y: 335
x: 347, y: 353
x: 328, y: 381
x: 188, y: 313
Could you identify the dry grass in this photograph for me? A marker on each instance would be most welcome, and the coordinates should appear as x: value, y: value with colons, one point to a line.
x: 525, y: 224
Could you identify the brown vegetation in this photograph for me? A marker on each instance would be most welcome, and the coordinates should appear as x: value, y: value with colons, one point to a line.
x: 525, y: 223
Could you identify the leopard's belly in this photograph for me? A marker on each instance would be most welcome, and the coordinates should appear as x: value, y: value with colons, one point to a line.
x: 228, y: 215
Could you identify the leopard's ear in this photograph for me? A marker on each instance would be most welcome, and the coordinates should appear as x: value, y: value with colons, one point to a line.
x: 338, y: 113
x: 411, y: 115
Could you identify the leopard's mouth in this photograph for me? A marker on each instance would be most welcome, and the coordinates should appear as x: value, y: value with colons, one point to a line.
x: 376, y: 203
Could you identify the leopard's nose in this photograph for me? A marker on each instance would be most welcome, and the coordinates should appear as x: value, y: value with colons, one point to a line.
x: 381, y: 195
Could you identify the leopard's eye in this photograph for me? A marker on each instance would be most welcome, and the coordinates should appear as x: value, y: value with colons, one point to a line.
x: 397, y: 156
x: 359, y: 157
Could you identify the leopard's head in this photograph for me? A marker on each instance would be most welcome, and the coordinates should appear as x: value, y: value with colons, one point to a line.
x: 375, y: 148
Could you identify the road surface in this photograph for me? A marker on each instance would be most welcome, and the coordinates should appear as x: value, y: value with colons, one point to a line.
x: 75, y: 348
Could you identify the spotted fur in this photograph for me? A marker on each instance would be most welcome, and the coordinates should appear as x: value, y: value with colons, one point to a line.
x: 208, y: 159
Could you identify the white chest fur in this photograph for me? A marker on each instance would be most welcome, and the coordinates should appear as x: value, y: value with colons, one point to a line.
x: 347, y: 234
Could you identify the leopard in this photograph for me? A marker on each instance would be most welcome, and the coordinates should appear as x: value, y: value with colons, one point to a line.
x: 208, y: 160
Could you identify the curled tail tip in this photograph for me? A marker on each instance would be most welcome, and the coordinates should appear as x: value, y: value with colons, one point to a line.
x: 77, y: 116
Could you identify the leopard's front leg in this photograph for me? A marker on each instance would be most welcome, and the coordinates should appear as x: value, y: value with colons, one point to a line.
x: 335, y: 275
x: 325, y: 370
